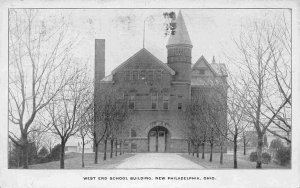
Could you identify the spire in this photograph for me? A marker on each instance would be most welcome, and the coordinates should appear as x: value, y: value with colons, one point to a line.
x: 213, y: 61
x: 181, y: 35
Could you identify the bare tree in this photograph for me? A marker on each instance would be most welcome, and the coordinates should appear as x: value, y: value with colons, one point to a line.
x: 39, y: 50
x: 83, y: 134
x: 50, y: 141
x: 86, y: 122
x: 281, y: 50
x: 68, y: 109
x: 256, y: 56
x: 198, y: 124
x: 36, y: 135
x: 247, y: 136
x: 110, y: 112
x: 236, y: 124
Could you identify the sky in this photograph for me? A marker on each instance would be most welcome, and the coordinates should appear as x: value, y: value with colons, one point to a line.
x: 211, y: 31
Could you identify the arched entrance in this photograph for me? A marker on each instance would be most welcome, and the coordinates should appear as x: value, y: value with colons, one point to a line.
x: 157, y: 139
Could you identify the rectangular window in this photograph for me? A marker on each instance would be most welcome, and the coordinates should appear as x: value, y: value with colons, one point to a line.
x: 166, y: 102
x: 143, y: 75
x: 154, y: 100
x: 150, y: 75
x: 125, y: 96
x: 127, y: 75
x: 179, y: 100
x: 133, y: 147
x: 135, y: 75
x: 158, y: 75
x: 132, y: 102
x: 153, y: 105
x: 180, y: 106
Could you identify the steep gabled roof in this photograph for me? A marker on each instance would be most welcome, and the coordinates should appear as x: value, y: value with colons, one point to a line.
x: 202, y: 59
x: 144, y: 52
x: 181, y: 35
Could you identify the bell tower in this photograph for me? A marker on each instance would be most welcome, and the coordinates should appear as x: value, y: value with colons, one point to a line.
x: 180, y: 51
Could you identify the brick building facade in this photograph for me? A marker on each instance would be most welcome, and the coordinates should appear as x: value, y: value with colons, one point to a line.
x: 157, y: 92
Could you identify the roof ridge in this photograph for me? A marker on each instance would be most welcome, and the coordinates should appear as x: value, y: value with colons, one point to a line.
x: 146, y: 51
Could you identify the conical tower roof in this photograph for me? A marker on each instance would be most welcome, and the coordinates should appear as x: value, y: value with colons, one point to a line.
x: 181, y: 35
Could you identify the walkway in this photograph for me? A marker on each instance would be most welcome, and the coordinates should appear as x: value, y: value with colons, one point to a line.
x: 158, y: 161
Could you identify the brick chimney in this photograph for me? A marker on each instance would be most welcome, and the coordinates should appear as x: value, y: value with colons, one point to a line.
x: 99, y: 60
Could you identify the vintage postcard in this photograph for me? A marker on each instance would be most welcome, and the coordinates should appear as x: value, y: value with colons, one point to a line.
x: 149, y: 94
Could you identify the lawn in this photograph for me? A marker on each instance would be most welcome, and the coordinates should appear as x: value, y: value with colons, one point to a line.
x: 242, y: 161
x: 73, y: 161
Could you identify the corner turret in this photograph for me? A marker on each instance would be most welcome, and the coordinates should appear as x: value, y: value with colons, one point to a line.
x: 180, y: 51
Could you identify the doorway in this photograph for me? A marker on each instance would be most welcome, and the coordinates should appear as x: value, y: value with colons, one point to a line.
x: 157, y: 139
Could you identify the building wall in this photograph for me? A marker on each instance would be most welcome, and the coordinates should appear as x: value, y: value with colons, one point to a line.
x: 144, y: 117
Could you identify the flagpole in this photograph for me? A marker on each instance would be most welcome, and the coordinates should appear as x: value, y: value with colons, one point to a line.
x: 144, y: 35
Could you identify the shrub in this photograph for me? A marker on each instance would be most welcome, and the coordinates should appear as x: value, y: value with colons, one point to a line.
x: 44, y: 159
x: 253, y: 156
x: 266, y: 158
x: 283, y: 155
x: 43, y: 152
x: 55, y: 153
x: 276, y: 144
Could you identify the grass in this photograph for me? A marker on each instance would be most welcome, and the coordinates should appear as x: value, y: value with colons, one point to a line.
x: 242, y: 162
x: 73, y: 161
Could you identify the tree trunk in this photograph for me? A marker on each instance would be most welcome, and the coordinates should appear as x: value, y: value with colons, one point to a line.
x: 24, y: 148
x: 221, y: 153
x: 96, y: 153
x: 197, y: 150
x: 105, y: 148
x: 259, y: 150
x: 82, y: 155
x: 245, y: 147
x: 211, y: 151
x: 120, y: 147
x: 235, y: 151
x: 62, y: 155
x: 111, y: 147
x: 203, y: 150
x: 189, y: 147
x: 116, y: 148
x: 193, y: 149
